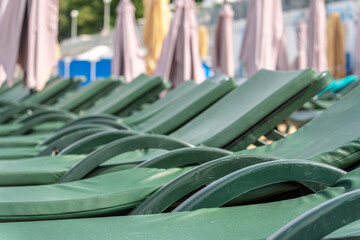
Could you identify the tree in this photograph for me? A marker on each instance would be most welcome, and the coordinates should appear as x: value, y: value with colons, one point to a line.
x: 90, y: 19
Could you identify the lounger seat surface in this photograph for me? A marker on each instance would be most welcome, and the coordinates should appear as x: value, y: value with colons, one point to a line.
x: 256, y: 221
x: 109, y: 192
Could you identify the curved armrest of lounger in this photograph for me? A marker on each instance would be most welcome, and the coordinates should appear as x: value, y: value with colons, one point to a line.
x: 68, y: 139
x: 64, y: 132
x: 52, y: 117
x: 322, y: 219
x: 8, y: 114
x: 90, y: 143
x: 194, y: 179
x: 185, y: 156
x: 104, y: 122
x: 105, y: 119
x: 90, y: 162
x: 242, y: 181
x: 40, y: 113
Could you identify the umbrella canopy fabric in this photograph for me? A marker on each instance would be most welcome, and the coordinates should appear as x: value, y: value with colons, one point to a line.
x: 3, y: 4
x: 301, y: 36
x: 127, y: 60
x: 180, y: 58
x: 262, y: 37
x: 317, y: 42
x: 203, y: 42
x: 157, y: 18
x: 283, y: 62
x: 223, y: 58
x: 29, y: 36
x: 336, y: 46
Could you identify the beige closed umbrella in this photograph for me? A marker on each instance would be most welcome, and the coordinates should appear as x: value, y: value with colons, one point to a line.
x: 336, y: 46
x: 157, y: 19
x: 29, y: 36
x: 262, y: 37
x: 223, y: 56
x: 180, y: 58
x: 127, y: 60
x: 317, y: 42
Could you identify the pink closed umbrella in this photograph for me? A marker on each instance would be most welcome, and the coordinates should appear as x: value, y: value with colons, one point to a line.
x: 262, y: 37
x: 223, y: 59
x: 357, y: 46
x: 180, y: 57
x: 3, y: 4
x: 301, y: 35
x: 283, y: 62
x: 317, y: 36
x: 127, y: 60
x: 29, y: 36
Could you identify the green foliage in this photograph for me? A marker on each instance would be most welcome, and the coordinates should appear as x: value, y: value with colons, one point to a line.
x: 90, y: 19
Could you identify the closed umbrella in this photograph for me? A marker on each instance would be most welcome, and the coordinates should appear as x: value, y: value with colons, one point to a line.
x: 157, y: 20
x: 127, y: 60
x: 317, y: 43
x: 180, y: 58
x: 223, y: 58
x: 301, y: 36
x: 3, y: 4
x: 29, y: 35
x: 336, y: 46
x: 283, y: 63
x: 203, y: 42
x: 262, y: 37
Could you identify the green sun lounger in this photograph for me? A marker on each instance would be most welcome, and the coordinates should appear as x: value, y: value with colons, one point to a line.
x: 39, y: 207
x: 126, y: 98
x: 73, y: 101
x: 165, y: 120
x: 272, y: 105
x: 257, y: 221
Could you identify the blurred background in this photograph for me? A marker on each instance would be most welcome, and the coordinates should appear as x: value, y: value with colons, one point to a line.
x: 89, y: 51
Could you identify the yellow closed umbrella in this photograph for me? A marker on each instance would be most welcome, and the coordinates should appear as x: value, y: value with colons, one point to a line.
x: 157, y: 20
x: 336, y: 46
x: 203, y: 42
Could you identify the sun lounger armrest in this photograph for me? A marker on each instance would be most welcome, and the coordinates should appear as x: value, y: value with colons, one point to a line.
x: 11, y: 111
x: 218, y: 192
x: 90, y: 162
x: 70, y: 130
x: 90, y: 143
x: 185, y: 156
x: 101, y: 119
x: 40, y: 113
x: 323, y: 219
x: 53, y: 117
x: 194, y: 179
x: 66, y: 140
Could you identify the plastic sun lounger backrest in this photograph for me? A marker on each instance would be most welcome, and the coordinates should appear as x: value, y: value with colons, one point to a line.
x: 126, y: 95
x: 52, y: 91
x: 15, y: 94
x: 158, y: 105
x: 91, y: 92
x: 188, y: 106
x: 234, y: 114
x: 318, y: 140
